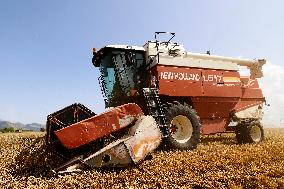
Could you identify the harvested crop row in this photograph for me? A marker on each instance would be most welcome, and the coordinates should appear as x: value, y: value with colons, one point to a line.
x: 217, y: 162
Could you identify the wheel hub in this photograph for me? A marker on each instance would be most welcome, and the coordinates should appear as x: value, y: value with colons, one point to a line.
x: 181, y: 128
x: 255, y: 133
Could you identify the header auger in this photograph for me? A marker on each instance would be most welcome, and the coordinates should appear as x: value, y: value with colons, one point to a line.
x: 158, y: 94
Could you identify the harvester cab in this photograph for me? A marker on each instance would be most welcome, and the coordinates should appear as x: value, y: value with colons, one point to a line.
x: 121, y: 68
x: 126, y: 70
x: 158, y: 93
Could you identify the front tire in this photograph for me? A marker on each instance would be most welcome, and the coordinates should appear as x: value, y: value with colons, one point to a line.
x: 184, y: 127
x: 250, y: 132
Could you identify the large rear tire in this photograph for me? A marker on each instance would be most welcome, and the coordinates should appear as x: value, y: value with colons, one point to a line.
x: 184, y: 127
x: 250, y: 132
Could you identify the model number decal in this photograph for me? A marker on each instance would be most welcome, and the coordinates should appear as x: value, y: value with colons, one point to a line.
x: 213, y: 78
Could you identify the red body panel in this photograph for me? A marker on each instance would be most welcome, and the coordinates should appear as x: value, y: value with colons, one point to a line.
x: 218, y: 83
x: 251, y: 94
x: 214, y: 112
x: 183, y: 81
x: 98, y: 126
x: 218, y: 125
x: 214, y: 94
x: 214, y: 107
x: 175, y: 81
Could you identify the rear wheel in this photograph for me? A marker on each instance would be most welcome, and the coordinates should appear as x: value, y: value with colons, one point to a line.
x: 184, y: 126
x: 250, y: 132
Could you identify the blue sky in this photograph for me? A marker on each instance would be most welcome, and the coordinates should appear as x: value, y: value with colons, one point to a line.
x: 45, y: 46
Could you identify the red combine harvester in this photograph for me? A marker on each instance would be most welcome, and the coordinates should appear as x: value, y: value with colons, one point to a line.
x: 157, y: 94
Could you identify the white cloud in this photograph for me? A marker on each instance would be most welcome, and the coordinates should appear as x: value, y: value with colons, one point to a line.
x: 272, y: 85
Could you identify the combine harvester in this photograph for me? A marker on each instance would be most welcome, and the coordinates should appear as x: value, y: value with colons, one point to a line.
x: 158, y: 94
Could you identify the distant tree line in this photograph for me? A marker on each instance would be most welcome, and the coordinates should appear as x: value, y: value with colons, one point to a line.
x: 7, y: 130
x: 13, y: 130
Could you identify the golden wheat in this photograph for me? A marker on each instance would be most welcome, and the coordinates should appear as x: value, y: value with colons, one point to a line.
x: 218, y: 162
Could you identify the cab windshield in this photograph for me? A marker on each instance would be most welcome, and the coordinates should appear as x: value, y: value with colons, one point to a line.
x: 119, y: 72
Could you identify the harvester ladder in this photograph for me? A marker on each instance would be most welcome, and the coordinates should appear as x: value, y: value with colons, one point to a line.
x: 155, y: 108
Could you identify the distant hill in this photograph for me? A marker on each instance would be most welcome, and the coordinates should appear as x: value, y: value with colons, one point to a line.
x: 31, y: 126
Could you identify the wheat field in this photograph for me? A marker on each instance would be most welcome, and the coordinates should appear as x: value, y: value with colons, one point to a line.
x: 218, y: 162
